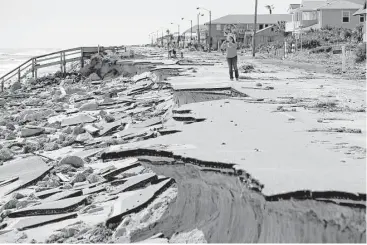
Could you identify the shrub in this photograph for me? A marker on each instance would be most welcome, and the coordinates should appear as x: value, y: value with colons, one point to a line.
x: 325, y: 49
x: 361, y: 53
x: 345, y: 34
x: 309, y: 43
x: 357, y: 33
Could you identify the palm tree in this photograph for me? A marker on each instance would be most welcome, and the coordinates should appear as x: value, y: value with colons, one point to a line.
x: 270, y: 8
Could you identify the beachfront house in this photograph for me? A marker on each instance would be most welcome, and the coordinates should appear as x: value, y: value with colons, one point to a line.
x: 203, y: 34
x: 242, y: 26
x: 325, y: 13
x: 361, y: 13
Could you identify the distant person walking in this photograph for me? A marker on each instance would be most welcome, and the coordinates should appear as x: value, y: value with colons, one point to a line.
x: 231, y: 48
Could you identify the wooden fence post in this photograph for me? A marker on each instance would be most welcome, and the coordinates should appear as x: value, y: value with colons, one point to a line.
x: 81, y: 57
x: 2, y: 85
x: 61, y: 62
x: 343, y: 59
x: 35, y: 68
x: 64, y: 63
x: 285, y: 49
x: 19, y: 74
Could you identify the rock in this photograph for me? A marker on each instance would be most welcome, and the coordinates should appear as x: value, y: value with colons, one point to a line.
x: 16, y: 86
x: 78, y: 130
x: 11, y: 136
x: 74, y: 161
x: 32, y: 81
x: 2, y: 102
x: 94, y: 77
x: 109, y: 118
x: 67, y: 130
x: 53, y: 183
x: 25, y: 203
x: 258, y: 85
x: 31, y: 147
x: 5, y: 154
x: 28, y: 132
x: 79, y: 177
x: 69, y: 140
x: 89, y: 107
x: 17, y: 195
x: 65, y: 169
x: 84, y: 137
x: 69, y: 232
x: 32, y: 196
x: 94, y: 178
x: 67, y: 186
x: 42, y: 184
x: 10, y: 126
x: 11, y: 204
x: 88, y: 171
x: 5, y: 214
x: 51, y: 146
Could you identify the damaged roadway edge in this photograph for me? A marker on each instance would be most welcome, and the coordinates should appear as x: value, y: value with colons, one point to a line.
x: 172, y: 159
x: 226, y: 211
x: 228, y: 206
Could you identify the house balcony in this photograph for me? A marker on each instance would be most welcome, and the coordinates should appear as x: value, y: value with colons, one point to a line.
x: 292, y: 26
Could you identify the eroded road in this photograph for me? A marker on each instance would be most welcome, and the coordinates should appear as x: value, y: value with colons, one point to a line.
x: 174, y: 152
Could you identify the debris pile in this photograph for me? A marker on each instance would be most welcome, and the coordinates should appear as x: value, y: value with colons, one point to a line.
x: 77, y: 164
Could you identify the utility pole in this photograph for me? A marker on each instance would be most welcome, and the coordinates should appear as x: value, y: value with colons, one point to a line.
x: 210, y: 28
x: 162, y: 39
x: 198, y: 29
x: 191, y: 31
x: 157, y: 37
x: 253, y: 37
x: 179, y: 36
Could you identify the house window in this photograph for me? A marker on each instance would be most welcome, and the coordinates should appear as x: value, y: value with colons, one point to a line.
x: 261, y: 26
x: 361, y: 18
x: 346, y: 16
x: 218, y: 27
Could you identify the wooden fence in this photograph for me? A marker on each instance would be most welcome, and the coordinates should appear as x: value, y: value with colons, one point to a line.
x: 56, y: 58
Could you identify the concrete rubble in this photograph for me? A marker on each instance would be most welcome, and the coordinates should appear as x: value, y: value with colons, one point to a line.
x: 158, y: 151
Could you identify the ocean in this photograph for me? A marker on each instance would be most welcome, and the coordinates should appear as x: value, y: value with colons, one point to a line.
x: 11, y: 58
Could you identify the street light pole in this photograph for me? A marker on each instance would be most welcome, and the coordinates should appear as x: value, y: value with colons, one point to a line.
x: 191, y: 31
x: 210, y: 25
x: 253, y: 37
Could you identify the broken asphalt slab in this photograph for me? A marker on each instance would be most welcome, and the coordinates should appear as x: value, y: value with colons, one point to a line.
x: 48, y: 208
x: 134, y: 201
x: 36, y: 221
x: 28, y: 171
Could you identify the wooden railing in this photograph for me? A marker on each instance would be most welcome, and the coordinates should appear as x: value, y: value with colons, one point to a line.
x: 56, y: 58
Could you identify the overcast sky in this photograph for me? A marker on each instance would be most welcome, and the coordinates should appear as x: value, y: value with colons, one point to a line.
x: 73, y: 23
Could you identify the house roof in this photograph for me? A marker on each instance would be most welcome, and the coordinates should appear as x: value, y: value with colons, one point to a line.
x: 311, y: 5
x: 341, y: 4
x: 294, y: 6
x: 363, y: 10
x: 249, y: 18
x: 195, y: 28
x: 357, y: 1
x: 360, y: 12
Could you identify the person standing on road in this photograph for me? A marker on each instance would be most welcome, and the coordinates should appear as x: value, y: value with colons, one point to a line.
x: 231, y: 48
